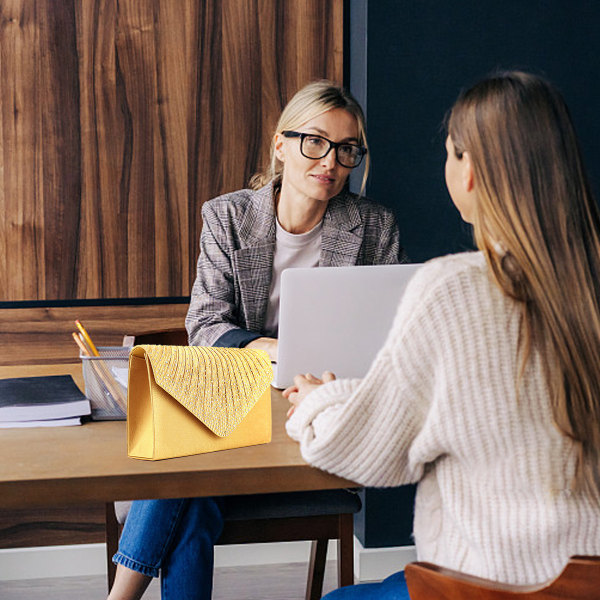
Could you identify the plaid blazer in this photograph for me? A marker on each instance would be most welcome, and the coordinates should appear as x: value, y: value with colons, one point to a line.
x: 230, y: 295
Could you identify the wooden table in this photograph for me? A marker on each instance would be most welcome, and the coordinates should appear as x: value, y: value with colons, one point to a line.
x: 89, y: 463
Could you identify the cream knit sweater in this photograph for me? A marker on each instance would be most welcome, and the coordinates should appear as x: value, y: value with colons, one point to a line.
x: 439, y: 406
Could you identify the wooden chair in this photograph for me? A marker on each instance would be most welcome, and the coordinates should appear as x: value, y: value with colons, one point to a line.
x: 300, y: 516
x: 580, y: 580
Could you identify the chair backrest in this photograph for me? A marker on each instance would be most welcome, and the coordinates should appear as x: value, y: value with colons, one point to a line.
x: 166, y: 337
x: 580, y: 580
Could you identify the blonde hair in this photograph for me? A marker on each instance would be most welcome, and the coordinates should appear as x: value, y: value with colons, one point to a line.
x: 535, y: 203
x: 311, y: 101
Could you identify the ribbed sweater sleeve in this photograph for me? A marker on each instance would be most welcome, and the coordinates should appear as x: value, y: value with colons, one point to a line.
x: 365, y: 429
x: 442, y: 405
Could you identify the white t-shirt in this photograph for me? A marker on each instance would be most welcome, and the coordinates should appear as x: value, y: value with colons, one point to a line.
x: 292, y: 250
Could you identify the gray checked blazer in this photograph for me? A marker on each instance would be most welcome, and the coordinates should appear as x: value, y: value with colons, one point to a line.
x: 230, y: 295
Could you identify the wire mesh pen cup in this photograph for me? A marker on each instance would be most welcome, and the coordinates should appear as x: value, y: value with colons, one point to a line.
x: 105, y: 378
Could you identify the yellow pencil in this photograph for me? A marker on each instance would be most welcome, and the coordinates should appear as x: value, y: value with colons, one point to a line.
x: 87, y: 338
x: 115, y: 397
x: 80, y: 344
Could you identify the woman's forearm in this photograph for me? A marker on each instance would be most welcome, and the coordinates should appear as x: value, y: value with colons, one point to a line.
x: 267, y: 344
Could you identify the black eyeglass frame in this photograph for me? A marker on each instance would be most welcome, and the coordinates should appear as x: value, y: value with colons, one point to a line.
x: 335, y: 145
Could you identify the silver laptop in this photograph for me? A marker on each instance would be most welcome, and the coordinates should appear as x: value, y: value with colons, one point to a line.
x: 336, y: 318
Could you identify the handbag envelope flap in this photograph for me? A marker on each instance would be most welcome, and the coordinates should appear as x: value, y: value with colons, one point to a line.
x: 219, y: 386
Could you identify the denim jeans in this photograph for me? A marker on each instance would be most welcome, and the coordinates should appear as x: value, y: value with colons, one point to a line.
x: 392, y: 588
x: 176, y: 539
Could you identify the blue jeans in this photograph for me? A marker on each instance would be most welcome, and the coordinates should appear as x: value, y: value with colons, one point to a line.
x: 176, y: 539
x: 392, y: 588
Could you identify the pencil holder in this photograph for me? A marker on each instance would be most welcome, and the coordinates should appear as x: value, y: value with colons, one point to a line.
x: 105, y: 379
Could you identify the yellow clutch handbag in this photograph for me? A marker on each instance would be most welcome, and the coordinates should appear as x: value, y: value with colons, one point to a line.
x: 184, y: 400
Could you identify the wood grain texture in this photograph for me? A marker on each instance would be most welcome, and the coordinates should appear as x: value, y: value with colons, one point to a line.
x: 119, y: 118
x: 75, y: 466
x: 39, y: 156
x: 579, y: 580
x: 30, y: 336
x: 21, y: 528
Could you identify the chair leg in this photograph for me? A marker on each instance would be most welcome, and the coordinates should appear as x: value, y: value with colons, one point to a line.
x: 346, y: 550
x: 316, y: 569
x: 112, y: 542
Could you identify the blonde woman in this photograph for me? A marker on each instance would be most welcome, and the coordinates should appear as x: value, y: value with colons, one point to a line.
x: 298, y: 214
x: 487, y: 390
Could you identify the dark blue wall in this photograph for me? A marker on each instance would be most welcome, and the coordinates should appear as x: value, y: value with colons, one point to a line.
x: 408, y: 61
x: 418, y: 56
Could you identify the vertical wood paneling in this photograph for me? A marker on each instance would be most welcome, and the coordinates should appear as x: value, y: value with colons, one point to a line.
x: 207, y: 170
x: 137, y: 64
x: 119, y: 118
x: 241, y: 81
x: 40, y: 168
x: 105, y: 155
x: 21, y: 242
x: 177, y: 56
x: 57, y: 88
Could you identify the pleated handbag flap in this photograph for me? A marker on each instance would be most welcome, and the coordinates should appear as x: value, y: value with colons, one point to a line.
x: 220, y: 386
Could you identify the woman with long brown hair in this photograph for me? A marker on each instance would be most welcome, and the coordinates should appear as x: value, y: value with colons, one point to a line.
x: 487, y: 390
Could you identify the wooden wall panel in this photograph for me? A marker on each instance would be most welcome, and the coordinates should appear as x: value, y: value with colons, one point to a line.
x: 119, y: 118
x: 105, y: 153
x: 39, y: 153
x: 138, y: 114
x: 20, y: 244
x: 31, y: 336
x: 52, y: 526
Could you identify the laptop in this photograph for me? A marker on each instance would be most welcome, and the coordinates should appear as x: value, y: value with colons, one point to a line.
x: 336, y: 318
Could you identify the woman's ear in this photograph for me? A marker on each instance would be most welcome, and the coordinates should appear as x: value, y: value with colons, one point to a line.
x: 278, y: 146
x: 467, y: 174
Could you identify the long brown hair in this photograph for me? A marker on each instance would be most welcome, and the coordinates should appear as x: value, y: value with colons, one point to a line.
x: 539, y: 228
x: 307, y: 103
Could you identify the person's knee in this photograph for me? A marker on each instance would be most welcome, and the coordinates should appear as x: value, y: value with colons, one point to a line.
x: 205, y: 516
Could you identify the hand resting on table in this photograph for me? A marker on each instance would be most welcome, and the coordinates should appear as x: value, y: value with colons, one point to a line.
x: 304, y: 385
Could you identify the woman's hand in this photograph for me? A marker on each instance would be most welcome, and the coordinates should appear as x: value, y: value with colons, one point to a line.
x: 267, y: 344
x: 304, y: 385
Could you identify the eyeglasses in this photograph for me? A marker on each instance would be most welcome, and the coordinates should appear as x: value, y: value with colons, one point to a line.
x: 316, y: 146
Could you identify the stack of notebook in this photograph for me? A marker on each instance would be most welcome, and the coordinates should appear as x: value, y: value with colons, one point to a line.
x: 49, y: 401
